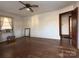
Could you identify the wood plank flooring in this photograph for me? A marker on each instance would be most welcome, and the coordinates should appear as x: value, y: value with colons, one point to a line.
x: 30, y: 48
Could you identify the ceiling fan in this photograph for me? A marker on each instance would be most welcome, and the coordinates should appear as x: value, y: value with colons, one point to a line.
x: 28, y: 6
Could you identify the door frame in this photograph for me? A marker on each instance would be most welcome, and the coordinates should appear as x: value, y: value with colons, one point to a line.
x: 60, y: 20
x: 60, y: 27
x: 75, y: 27
x: 25, y: 32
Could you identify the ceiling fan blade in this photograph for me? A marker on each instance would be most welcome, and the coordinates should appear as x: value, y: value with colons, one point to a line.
x: 31, y: 9
x: 22, y: 3
x: 34, y: 6
x: 22, y: 8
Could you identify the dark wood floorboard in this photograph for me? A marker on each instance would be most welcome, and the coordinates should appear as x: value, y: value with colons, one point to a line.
x: 30, y: 48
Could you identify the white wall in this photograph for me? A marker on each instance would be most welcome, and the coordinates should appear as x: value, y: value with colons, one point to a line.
x: 45, y: 25
x: 18, y: 25
x: 65, y: 24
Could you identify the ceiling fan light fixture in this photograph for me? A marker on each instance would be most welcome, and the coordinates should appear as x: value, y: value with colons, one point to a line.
x: 27, y: 6
x: 27, y: 9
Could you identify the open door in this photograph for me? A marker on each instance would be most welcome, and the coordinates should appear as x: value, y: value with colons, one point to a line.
x: 74, y: 27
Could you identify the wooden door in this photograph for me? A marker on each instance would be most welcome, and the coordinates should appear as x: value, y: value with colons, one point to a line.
x: 74, y: 27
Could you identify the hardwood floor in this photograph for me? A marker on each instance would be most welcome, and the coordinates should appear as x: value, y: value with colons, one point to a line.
x: 30, y: 48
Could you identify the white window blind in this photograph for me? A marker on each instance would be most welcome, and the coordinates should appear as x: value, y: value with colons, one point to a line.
x: 6, y: 23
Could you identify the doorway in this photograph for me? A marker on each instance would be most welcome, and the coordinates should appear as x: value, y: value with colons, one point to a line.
x: 27, y: 32
x: 68, y: 28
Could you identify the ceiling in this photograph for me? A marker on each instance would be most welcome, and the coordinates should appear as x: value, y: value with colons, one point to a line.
x: 44, y: 6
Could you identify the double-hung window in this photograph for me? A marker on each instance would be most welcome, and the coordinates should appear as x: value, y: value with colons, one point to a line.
x: 6, y: 23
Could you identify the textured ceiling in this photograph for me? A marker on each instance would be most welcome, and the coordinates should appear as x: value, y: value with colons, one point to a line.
x: 44, y: 6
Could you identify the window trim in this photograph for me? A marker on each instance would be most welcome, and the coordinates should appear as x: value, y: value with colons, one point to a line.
x: 5, y: 30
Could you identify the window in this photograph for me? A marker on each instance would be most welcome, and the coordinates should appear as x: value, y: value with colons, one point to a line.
x: 6, y: 23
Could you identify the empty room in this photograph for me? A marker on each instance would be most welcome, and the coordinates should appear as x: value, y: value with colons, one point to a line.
x: 39, y: 29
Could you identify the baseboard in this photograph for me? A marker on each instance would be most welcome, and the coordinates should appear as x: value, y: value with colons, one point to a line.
x: 29, y: 37
x: 45, y: 38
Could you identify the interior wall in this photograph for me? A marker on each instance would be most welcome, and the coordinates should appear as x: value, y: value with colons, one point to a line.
x: 65, y: 24
x: 17, y: 23
x: 45, y: 25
